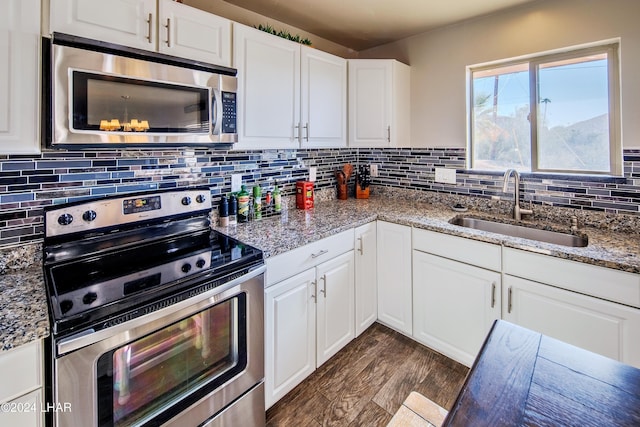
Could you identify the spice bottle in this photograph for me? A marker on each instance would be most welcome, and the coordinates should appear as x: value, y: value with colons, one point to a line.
x: 233, y: 210
x: 223, y: 211
x: 243, y: 205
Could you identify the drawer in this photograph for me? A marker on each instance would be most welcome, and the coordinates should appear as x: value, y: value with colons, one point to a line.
x: 20, y: 370
x: 600, y: 282
x: 473, y: 252
x: 290, y: 263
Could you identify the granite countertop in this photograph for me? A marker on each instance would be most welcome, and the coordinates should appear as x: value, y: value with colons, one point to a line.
x: 613, y: 248
x: 24, y: 314
x: 613, y: 242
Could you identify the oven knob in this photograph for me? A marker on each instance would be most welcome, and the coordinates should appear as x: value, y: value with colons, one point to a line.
x: 65, y: 219
x: 66, y: 305
x: 89, y: 298
x: 200, y: 263
x: 186, y: 200
x: 200, y: 198
x: 186, y: 268
x: 89, y: 216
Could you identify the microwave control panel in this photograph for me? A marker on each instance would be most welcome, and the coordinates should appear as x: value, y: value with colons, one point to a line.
x: 229, y: 112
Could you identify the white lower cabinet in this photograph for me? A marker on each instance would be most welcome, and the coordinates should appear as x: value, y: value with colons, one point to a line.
x: 366, y: 276
x: 454, y: 305
x: 308, y: 318
x: 21, y: 386
x: 290, y: 332
x: 603, y: 327
x: 394, y: 276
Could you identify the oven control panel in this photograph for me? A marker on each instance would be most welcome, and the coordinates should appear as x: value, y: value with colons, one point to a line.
x: 116, y: 211
x: 102, y: 293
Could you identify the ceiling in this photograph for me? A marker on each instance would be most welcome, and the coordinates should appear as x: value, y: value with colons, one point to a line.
x: 362, y: 24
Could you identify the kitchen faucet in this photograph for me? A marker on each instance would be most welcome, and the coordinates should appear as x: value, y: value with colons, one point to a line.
x: 517, y: 212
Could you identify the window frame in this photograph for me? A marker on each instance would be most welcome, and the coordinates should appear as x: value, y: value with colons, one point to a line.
x: 611, y: 48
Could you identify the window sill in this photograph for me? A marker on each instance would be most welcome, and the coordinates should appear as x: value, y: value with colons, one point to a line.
x: 607, y: 179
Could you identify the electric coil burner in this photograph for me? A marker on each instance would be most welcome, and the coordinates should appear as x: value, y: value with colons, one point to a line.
x: 156, y: 318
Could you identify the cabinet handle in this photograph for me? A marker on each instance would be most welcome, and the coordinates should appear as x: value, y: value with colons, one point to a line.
x: 389, y: 133
x: 168, y: 27
x: 322, y: 252
x: 315, y: 286
x: 324, y: 287
x: 493, y: 294
x: 509, y: 301
x: 360, y: 249
x: 149, y: 26
x: 306, y: 127
x: 296, y: 130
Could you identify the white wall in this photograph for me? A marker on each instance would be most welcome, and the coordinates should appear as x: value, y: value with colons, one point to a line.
x: 438, y: 59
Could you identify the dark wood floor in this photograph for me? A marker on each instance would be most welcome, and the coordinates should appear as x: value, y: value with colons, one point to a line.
x: 367, y: 381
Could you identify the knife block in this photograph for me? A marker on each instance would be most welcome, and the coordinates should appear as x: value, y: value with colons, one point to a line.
x: 362, y: 193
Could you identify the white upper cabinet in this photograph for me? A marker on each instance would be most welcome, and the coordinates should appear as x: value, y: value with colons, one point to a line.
x: 379, y: 97
x: 191, y: 33
x: 268, y: 89
x: 324, y: 99
x: 19, y: 76
x: 290, y: 96
x: 156, y: 25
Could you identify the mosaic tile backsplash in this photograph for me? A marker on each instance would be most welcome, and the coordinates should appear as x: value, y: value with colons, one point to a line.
x: 28, y: 183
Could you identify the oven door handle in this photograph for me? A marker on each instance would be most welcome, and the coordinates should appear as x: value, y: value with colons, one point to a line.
x: 191, y: 305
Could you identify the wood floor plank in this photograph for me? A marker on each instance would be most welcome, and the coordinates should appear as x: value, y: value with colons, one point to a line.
x: 366, y: 382
x: 371, y: 415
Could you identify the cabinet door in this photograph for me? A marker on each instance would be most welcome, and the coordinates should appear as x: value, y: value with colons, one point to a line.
x: 188, y: 32
x: 19, y: 76
x: 454, y: 305
x: 324, y: 99
x: 394, y: 276
x: 268, y: 89
x: 603, y: 327
x: 335, y: 308
x: 24, y: 411
x: 290, y: 332
x: 370, y: 103
x: 366, y: 277
x: 126, y: 22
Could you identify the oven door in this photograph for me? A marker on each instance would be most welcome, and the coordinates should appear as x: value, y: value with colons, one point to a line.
x: 188, y: 361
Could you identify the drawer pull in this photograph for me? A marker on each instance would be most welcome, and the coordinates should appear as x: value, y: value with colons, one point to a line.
x: 360, y: 249
x: 322, y: 252
x: 509, y: 301
x: 324, y: 283
x: 313, y: 292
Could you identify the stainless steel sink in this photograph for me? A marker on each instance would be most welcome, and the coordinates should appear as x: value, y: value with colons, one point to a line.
x: 555, y: 237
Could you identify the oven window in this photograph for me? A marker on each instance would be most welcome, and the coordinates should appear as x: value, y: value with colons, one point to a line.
x: 116, y: 104
x: 159, y: 375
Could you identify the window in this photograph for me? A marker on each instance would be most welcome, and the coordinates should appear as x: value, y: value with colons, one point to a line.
x: 554, y: 113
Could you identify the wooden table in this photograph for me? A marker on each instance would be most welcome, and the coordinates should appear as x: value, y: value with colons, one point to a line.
x: 523, y: 378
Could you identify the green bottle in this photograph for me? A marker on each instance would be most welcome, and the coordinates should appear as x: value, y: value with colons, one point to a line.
x: 243, y: 205
x: 257, y: 202
x: 277, y: 199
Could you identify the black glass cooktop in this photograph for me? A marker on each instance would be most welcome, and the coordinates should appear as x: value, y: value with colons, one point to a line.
x: 100, y: 277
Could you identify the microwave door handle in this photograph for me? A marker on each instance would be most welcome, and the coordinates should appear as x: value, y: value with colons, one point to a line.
x: 216, y: 113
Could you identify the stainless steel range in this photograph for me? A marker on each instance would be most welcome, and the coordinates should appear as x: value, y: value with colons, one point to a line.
x: 156, y: 319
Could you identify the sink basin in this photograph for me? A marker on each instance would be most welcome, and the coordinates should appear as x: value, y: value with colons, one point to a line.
x: 547, y: 236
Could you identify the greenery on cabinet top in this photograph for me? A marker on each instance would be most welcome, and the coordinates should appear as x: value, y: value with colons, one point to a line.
x: 284, y: 34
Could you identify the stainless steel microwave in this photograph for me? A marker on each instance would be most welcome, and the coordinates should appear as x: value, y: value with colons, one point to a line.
x: 98, y: 95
